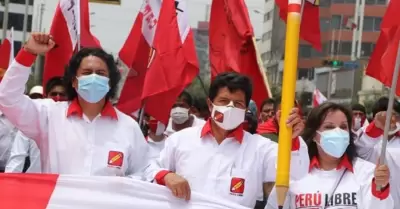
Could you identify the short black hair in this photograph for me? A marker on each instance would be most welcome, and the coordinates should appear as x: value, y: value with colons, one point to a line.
x: 53, y: 82
x: 314, y: 121
x: 382, y: 105
x: 266, y: 102
x: 75, y: 62
x: 200, y: 104
x: 186, y: 97
x: 359, y: 107
x: 252, y: 122
x: 234, y: 82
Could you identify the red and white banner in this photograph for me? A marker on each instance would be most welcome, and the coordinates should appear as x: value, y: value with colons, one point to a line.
x: 42, y: 191
x: 318, y: 98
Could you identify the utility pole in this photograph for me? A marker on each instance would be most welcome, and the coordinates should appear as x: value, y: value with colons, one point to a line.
x: 360, y: 28
x: 356, y: 31
x: 5, y: 18
x: 332, y: 51
x: 25, y: 25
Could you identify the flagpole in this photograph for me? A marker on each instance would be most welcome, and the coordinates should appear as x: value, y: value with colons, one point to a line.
x: 389, y: 111
x: 25, y: 24
x: 288, y: 96
x: 5, y: 18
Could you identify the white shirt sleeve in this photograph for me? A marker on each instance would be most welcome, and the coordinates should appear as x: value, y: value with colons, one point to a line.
x: 139, y: 154
x: 272, y: 202
x: 19, y: 152
x: 367, y: 147
x: 27, y: 115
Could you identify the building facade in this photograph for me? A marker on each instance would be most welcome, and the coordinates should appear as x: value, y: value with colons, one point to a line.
x: 16, y: 20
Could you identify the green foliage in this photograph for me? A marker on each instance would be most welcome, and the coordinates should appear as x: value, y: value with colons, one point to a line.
x: 199, y: 88
x: 276, y: 91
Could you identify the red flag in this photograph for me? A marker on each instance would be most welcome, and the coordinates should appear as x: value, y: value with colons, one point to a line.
x: 6, y: 52
x: 65, y: 33
x: 231, y: 44
x: 135, y: 54
x: 174, y: 65
x: 309, y: 28
x: 383, y: 59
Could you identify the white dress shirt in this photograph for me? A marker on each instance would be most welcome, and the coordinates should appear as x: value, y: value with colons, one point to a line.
x: 112, y: 144
x: 22, y: 148
x: 234, y: 170
x: 196, y: 122
x: 7, y: 135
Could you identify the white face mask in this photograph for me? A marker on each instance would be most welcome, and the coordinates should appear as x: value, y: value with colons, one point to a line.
x: 228, y: 117
x: 357, y: 123
x: 397, y: 129
x: 179, y: 115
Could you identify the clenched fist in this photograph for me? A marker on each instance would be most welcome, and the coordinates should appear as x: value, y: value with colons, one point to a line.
x: 179, y: 186
x: 39, y: 43
x: 380, y: 119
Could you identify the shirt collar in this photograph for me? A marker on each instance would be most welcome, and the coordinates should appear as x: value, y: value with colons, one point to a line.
x: 238, y: 133
x: 344, y: 163
x: 75, y: 109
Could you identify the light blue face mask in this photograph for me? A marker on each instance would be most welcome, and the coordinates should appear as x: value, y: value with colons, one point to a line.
x: 334, y: 142
x: 92, y: 88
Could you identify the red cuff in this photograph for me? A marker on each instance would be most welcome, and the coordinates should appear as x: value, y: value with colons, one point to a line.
x: 296, y: 144
x: 25, y: 58
x: 373, y: 131
x: 383, y: 194
x: 160, y: 177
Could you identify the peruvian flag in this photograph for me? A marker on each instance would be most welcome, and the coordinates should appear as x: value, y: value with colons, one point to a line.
x: 318, y: 98
x: 6, y: 52
x: 161, y: 55
x: 50, y: 191
x: 70, y: 24
x: 348, y: 23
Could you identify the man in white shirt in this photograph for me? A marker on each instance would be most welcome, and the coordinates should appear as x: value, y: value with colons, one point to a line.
x: 220, y: 158
x: 86, y: 135
x: 180, y: 117
x: 25, y: 154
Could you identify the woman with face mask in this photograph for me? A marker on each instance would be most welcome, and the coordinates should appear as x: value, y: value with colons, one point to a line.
x: 85, y: 135
x: 336, y: 178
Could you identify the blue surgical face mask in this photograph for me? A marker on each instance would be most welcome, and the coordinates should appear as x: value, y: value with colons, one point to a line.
x: 334, y: 142
x: 92, y: 88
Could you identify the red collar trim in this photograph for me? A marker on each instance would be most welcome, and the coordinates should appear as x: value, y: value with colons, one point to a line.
x: 238, y: 133
x: 75, y: 109
x: 344, y: 163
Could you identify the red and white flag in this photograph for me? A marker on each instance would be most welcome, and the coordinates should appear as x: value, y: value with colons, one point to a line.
x: 42, y: 191
x: 6, y: 52
x: 70, y: 24
x: 318, y: 98
x: 161, y: 55
x: 348, y: 23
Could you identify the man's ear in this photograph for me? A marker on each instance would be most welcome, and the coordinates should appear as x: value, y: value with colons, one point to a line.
x: 210, y: 105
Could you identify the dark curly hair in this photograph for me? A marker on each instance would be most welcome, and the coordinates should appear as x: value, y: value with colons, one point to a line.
x: 314, y: 121
x: 75, y: 62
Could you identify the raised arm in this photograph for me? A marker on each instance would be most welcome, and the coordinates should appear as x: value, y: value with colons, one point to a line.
x: 25, y: 114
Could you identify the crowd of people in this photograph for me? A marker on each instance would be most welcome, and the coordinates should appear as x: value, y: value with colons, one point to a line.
x: 224, y: 146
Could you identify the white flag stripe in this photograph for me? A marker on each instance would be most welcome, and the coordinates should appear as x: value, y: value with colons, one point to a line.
x: 71, y: 12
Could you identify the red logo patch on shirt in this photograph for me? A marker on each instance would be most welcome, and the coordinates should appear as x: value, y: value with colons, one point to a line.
x: 115, y: 158
x: 219, y: 117
x: 237, y: 186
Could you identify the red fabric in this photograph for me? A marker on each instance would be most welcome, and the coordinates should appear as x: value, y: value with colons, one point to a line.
x: 58, y: 58
x: 33, y: 191
x: 268, y: 127
x: 231, y: 45
x: 238, y: 133
x: 382, y: 194
x: 5, y: 53
x: 75, y: 109
x: 25, y: 58
x: 373, y: 131
x: 296, y: 144
x: 344, y: 163
x: 309, y: 28
x: 174, y: 66
x: 135, y: 54
x: 160, y: 177
x: 383, y: 59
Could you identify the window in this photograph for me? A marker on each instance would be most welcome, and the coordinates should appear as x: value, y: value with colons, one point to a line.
x: 106, y: 1
x: 377, y: 23
x: 338, y: 1
x: 381, y: 2
x: 266, y: 36
x: 17, y: 47
x: 370, y: 2
x: 21, y: 2
x: 306, y: 73
x: 336, y: 21
x: 322, y: 53
x: 345, y: 48
x: 350, y: 1
x: 267, y: 16
x: 324, y: 24
x: 305, y: 51
x: 372, y: 23
x: 324, y: 3
x: 367, y: 49
x: 17, y: 21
